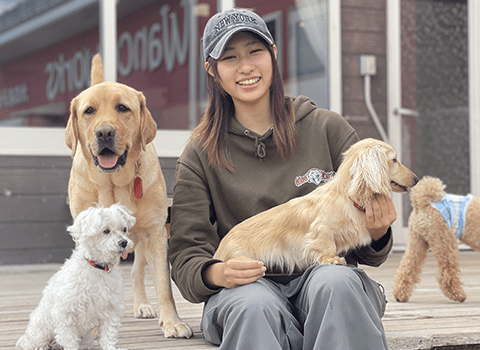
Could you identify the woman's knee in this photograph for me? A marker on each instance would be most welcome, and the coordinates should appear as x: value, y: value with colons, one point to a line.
x: 252, y: 299
x: 345, y: 285
x: 254, y: 310
x: 334, y: 278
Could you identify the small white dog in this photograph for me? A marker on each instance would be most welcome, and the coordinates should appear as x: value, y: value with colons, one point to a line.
x: 87, y: 292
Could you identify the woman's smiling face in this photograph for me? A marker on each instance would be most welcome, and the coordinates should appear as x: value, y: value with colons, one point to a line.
x: 245, y: 69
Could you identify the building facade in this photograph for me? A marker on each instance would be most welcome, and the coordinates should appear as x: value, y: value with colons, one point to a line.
x: 401, y: 70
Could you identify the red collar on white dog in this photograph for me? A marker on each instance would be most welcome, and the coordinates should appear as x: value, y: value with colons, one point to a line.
x: 99, y: 266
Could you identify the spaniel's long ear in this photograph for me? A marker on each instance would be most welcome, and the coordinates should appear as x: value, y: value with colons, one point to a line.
x: 71, y: 131
x: 148, y: 127
x: 96, y: 73
x: 369, y: 173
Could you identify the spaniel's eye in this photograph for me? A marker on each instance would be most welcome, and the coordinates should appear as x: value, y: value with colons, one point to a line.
x: 395, y: 160
x: 122, y: 108
x: 89, y: 110
x: 125, y: 229
x: 106, y: 231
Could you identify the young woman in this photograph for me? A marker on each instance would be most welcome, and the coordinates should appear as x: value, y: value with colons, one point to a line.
x: 255, y: 149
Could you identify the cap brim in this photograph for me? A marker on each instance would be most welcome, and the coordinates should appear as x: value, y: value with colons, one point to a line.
x: 220, y: 46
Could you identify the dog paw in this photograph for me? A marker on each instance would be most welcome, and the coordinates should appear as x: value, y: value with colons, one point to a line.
x: 176, y: 330
x: 145, y: 311
x: 334, y: 261
x: 459, y: 296
x: 400, y: 297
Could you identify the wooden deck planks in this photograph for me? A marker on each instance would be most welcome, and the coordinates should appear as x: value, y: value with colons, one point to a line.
x: 428, y: 320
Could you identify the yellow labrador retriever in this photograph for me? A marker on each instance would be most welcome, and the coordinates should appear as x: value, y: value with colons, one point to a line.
x: 110, y: 132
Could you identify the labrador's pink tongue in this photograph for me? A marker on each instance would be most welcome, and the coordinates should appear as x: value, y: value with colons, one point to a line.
x: 124, y: 255
x: 108, y: 161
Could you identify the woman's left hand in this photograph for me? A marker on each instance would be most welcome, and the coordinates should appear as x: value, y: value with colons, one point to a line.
x: 380, y: 215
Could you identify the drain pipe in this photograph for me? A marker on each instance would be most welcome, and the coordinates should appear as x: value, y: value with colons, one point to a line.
x: 368, y: 68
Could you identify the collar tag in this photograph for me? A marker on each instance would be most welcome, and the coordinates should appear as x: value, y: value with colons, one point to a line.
x: 137, y: 187
x: 137, y: 183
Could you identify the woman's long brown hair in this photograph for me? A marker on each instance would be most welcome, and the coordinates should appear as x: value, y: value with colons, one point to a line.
x: 212, y: 129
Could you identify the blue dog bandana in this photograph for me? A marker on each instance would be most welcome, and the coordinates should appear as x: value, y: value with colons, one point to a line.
x: 453, y: 209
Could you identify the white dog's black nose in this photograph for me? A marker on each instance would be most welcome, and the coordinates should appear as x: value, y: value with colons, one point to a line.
x: 105, y: 133
x: 123, y: 243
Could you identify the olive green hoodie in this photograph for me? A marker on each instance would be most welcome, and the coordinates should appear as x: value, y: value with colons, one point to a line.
x: 208, y: 202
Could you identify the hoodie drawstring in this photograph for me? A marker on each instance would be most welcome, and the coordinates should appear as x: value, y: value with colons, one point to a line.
x: 260, y: 148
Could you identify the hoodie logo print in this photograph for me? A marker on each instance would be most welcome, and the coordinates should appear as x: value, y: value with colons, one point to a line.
x: 314, y: 176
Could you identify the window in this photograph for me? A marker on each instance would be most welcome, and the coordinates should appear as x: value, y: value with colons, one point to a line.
x: 308, y: 52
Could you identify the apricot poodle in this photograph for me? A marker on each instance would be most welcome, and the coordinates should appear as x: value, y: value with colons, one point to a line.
x: 438, y: 219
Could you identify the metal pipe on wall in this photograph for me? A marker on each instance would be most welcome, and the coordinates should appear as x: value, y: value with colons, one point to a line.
x: 368, y: 68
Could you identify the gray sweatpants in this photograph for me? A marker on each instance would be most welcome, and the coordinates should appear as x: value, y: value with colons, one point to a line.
x: 329, y: 307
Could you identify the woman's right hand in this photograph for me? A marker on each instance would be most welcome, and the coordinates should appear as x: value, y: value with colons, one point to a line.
x: 233, y: 272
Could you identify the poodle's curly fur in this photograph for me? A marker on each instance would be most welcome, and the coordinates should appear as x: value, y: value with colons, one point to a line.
x: 429, y: 230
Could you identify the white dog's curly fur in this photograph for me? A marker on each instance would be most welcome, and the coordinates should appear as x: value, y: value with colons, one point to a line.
x: 87, y: 291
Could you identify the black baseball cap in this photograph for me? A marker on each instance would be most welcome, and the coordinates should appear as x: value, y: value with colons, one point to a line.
x: 223, y: 25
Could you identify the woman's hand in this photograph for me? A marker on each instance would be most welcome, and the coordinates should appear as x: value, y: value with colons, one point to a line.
x: 380, y: 215
x: 233, y: 273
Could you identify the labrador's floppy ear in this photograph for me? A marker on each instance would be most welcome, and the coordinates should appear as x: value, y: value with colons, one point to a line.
x: 96, y: 73
x: 148, y: 127
x: 71, y: 131
x: 369, y: 174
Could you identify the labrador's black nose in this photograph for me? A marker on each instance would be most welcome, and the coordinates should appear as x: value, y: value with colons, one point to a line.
x: 105, y: 133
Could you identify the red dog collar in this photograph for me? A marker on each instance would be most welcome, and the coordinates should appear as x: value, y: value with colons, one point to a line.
x: 98, y: 266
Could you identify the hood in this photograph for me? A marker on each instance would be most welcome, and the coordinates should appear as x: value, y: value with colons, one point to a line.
x: 303, y: 106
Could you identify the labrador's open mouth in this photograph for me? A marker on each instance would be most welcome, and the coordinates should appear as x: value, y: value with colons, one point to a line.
x: 108, y: 161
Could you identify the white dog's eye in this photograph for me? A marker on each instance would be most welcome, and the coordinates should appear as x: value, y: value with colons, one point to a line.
x: 106, y: 231
x: 395, y: 160
x: 122, y: 108
x: 124, y: 229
